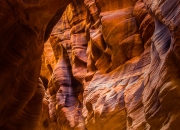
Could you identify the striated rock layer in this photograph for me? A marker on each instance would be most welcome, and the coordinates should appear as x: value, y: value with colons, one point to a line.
x: 124, y: 66
x: 107, y: 65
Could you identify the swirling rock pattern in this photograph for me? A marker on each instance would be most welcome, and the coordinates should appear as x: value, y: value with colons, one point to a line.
x: 125, y: 87
x: 112, y: 65
x: 69, y: 45
x: 161, y: 94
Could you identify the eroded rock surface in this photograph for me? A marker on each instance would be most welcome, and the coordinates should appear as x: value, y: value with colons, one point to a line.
x: 111, y: 65
x: 25, y: 26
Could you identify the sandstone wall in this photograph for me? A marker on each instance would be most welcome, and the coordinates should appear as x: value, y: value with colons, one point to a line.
x: 128, y: 73
x: 25, y: 26
x: 106, y: 65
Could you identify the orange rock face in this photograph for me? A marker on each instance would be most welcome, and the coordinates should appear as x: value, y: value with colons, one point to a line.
x: 106, y: 65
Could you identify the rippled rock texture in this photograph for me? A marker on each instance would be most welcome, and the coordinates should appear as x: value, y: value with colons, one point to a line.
x: 107, y: 65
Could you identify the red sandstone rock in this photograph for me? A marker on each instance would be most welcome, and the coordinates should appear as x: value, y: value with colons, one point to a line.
x: 25, y: 26
x: 113, y: 65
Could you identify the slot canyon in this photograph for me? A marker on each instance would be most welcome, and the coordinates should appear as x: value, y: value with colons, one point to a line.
x: 90, y: 65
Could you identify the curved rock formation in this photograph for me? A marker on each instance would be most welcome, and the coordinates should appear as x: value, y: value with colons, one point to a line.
x: 111, y: 65
x: 161, y: 95
x: 26, y: 24
x: 120, y: 68
x: 69, y: 44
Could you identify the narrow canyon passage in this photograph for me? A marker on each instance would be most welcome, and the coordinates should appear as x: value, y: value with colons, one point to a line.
x: 89, y: 65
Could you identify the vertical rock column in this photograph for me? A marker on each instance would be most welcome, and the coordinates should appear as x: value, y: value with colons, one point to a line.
x: 162, y: 85
x: 69, y: 44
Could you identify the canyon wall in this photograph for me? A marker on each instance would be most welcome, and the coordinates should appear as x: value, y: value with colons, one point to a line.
x: 25, y: 26
x: 106, y: 65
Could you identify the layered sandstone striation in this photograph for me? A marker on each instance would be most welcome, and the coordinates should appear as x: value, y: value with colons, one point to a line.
x: 106, y: 65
